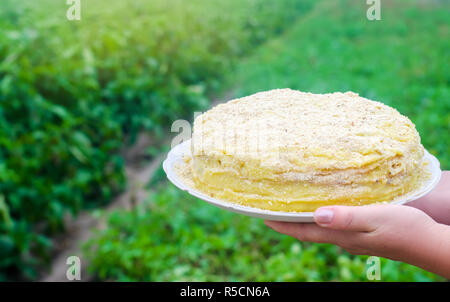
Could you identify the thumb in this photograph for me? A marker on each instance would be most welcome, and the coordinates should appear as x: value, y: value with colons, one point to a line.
x: 349, y: 218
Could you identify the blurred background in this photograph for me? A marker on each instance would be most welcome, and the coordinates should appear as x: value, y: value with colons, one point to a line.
x: 86, y: 108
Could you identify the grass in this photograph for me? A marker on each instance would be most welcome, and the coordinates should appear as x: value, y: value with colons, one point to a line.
x: 175, y: 237
x: 402, y: 61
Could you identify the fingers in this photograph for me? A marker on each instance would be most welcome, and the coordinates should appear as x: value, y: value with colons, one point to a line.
x: 350, y: 218
x: 371, y: 230
x: 308, y: 232
x: 338, y: 218
x: 353, y: 242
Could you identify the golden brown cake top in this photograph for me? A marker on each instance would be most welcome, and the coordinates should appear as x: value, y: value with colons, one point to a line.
x: 289, y: 130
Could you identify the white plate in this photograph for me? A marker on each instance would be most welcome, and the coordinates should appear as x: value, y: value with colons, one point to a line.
x: 175, y: 156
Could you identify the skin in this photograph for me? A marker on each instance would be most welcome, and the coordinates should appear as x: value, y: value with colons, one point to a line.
x: 418, y: 233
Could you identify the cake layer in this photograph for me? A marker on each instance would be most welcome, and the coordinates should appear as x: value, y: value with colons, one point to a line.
x: 302, y: 195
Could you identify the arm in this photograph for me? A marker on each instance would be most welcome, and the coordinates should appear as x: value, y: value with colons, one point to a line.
x: 392, y: 231
x: 437, y: 203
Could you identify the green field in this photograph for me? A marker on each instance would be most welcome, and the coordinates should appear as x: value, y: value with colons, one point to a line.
x: 401, y: 60
x: 73, y: 94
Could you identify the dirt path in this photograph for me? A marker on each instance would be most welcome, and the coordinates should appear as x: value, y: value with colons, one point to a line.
x: 79, y: 230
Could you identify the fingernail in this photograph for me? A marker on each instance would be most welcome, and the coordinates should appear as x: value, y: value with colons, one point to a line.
x: 324, y: 216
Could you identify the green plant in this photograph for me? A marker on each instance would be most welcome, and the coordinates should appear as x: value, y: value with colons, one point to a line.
x: 72, y: 93
x: 175, y: 237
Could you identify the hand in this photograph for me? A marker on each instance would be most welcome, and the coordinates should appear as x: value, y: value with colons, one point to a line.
x: 391, y: 231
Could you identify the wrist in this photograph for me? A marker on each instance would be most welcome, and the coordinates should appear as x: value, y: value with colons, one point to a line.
x: 431, y: 250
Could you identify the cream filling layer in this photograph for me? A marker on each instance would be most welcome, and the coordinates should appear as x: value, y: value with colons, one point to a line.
x: 226, y: 179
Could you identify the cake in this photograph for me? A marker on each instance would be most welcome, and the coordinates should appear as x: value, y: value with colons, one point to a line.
x: 286, y: 150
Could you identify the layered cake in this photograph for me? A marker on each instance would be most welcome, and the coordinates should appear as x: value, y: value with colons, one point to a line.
x: 286, y: 150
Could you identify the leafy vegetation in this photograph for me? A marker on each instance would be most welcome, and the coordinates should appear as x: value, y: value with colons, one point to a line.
x: 401, y: 60
x: 175, y: 237
x: 71, y: 94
